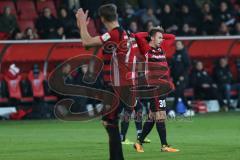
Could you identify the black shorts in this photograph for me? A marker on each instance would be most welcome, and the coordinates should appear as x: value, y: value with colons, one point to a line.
x: 113, y: 116
x: 157, y: 104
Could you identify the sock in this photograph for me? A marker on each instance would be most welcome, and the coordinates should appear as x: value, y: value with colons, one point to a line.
x: 138, y: 128
x: 115, y: 146
x: 138, y: 122
x: 161, y: 128
x: 124, y: 129
x: 147, y: 127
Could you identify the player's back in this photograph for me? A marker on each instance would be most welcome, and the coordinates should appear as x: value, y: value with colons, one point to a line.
x: 117, y: 54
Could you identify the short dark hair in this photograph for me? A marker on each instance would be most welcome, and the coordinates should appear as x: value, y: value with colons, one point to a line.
x: 108, y: 12
x: 154, y: 30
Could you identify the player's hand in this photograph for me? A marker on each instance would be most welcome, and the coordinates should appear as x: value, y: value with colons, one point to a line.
x: 82, y: 17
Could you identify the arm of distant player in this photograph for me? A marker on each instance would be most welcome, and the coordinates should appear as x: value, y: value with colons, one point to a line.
x: 82, y: 22
x: 142, y: 42
x: 168, y: 41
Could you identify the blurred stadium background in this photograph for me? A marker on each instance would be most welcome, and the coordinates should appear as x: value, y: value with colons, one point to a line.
x: 38, y: 35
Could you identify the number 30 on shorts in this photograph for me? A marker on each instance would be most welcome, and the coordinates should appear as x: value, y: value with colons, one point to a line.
x: 162, y: 103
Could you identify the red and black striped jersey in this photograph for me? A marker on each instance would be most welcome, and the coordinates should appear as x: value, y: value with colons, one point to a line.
x: 118, y: 57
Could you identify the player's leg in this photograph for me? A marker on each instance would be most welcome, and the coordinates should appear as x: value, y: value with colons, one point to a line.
x: 138, y: 118
x: 115, y: 146
x: 162, y: 132
x: 143, y: 103
x: 147, y: 127
x: 110, y: 122
x: 161, y: 129
x: 160, y: 117
x: 125, y: 119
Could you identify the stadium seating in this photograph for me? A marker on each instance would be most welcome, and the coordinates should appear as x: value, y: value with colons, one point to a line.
x: 26, y: 91
x: 17, y: 89
x: 37, y: 84
x: 50, y: 4
x: 14, y: 87
x: 4, y: 35
x: 26, y: 10
x: 49, y: 95
x: 4, y: 3
x: 24, y: 24
x: 92, y: 28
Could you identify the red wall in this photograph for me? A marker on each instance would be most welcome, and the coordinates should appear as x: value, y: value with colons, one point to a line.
x: 25, y: 55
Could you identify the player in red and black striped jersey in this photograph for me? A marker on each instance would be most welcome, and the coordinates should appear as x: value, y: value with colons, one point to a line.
x: 116, y: 55
x: 154, y: 52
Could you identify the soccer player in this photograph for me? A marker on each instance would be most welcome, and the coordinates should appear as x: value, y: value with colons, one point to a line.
x: 154, y: 51
x: 115, y: 35
x: 127, y: 111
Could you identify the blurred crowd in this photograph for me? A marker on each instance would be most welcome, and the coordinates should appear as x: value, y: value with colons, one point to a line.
x: 47, y: 26
x: 186, y: 17
x: 180, y: 17
x: 193, y: 74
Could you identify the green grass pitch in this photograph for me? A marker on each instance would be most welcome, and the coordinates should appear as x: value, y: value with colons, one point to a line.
x: 205, y: 137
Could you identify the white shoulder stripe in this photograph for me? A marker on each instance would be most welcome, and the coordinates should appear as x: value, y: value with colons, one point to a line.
x: 105, y: 37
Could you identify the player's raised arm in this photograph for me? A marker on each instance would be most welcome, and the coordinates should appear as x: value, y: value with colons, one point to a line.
x: 82, y: 22
x: 168, y: 40
x: 140, y: 35
x: 142, y: 41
